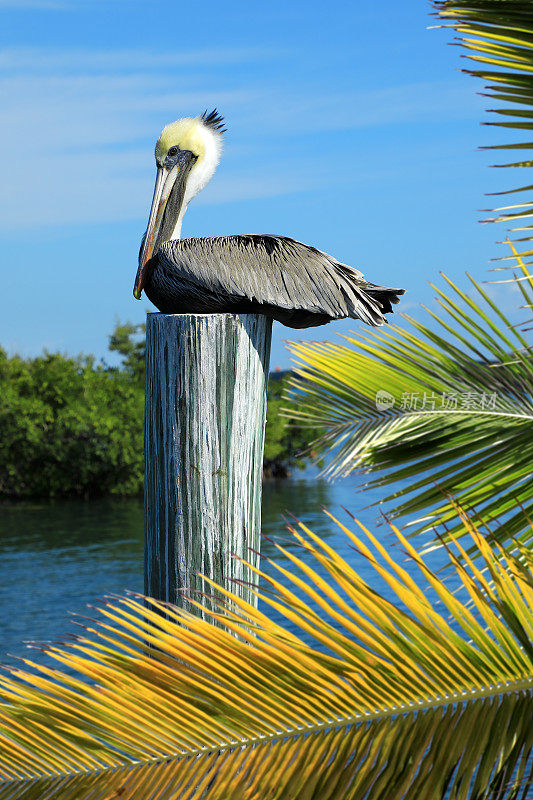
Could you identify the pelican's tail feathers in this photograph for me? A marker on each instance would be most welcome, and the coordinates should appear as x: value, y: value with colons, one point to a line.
x: 363, y: 300
x: 384, y: 295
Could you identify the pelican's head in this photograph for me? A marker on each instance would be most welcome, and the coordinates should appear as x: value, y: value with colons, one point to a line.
x: 186, y: 155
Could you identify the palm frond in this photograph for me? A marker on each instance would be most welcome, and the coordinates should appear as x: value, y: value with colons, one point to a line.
x: 392, y: 701
x: 437, y: 410
x: 482, y: 745
x: 497, y: 36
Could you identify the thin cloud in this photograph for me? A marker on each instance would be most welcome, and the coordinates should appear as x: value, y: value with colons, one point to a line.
x: 77, y: 129
x: 36, y: 5
x: 305, y: 113
x: 52, y: 61
x: 51, y: 5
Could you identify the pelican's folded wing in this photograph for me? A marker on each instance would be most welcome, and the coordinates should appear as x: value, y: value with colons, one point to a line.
x: 276, y: 272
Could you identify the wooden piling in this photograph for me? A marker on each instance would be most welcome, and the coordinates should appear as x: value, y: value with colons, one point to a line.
x: 206, y: 384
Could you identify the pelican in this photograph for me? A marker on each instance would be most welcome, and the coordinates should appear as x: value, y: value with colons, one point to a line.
x: 273, y: 275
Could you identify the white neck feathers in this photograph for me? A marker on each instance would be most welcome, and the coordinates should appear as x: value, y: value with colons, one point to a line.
x: 202, y: 171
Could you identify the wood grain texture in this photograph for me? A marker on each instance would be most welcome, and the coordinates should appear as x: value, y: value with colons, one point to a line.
x: 206, y: 383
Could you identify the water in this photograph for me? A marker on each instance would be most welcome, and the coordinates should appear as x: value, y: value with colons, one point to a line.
x: 57, y: 557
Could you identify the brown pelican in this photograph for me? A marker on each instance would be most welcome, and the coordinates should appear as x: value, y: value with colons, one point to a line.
x: 272, y: 275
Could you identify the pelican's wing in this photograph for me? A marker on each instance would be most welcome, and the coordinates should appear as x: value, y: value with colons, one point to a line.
x: 276, y: 271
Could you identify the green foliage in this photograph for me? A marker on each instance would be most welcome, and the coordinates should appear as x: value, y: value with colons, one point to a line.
x: 71, y: 427
x: 129, y: 341
x: 285, y: 443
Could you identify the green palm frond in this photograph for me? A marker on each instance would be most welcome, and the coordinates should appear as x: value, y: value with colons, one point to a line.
x: 394, y: 700
x: 462, y: 418
x: 498, y: 38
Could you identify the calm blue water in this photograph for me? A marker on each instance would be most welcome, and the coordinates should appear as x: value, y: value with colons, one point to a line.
x: 57, y: 557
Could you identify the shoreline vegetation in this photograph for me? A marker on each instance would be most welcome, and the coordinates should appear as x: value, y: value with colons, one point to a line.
x: 73, y: 427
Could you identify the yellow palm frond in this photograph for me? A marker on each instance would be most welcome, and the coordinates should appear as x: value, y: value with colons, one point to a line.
x: 420, y: 697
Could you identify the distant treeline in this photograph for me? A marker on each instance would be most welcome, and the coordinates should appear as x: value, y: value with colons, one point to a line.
x: 74, y: 427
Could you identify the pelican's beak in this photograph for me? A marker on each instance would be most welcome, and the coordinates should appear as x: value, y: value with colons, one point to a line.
x: 166, y: 205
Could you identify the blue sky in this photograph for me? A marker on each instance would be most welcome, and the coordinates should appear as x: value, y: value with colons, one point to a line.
x: 349, y: 127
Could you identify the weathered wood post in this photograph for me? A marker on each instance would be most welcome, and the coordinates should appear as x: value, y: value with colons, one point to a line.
x: 206, y: 383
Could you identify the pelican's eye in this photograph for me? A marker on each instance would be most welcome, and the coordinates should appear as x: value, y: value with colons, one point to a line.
x: 173, y: 151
